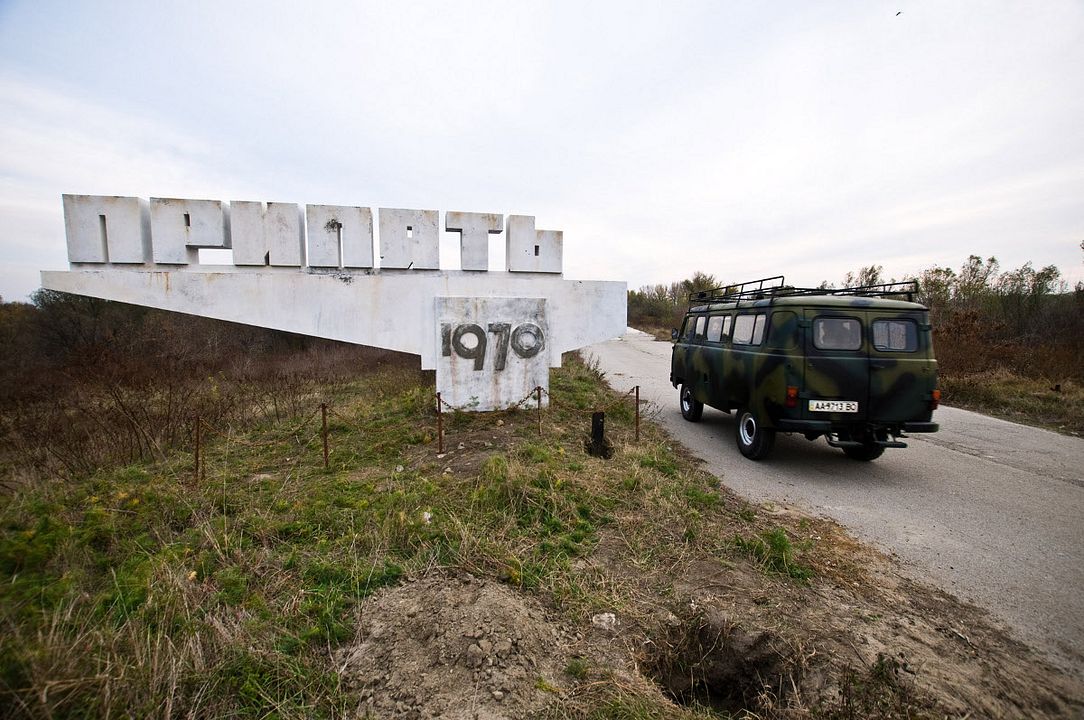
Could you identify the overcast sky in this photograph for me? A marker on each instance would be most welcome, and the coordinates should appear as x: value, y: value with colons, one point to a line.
x: 743, y: 139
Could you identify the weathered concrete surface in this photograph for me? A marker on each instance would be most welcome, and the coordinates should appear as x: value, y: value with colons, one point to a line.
x: 180, y: 227
x: 107, y: 229
x: 265, y: 234
x: 989, y: 510
x: 474, y: 230
x: 387, y: 309
x: 530, y: 250
x: 493, y: 350
x: 339, y: 236
x: 409, y: 239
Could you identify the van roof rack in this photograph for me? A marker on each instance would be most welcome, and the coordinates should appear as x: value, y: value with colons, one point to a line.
x: 774, y: 287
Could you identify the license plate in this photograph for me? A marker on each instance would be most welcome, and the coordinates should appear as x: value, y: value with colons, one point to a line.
x: 838, y: 406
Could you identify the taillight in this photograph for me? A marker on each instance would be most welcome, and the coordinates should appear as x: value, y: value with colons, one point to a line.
x: 935, y: 399
x: 792, y: 396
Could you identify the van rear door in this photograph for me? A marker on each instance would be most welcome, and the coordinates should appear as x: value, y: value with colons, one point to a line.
x: 836, y: 366
x: 902, y: 371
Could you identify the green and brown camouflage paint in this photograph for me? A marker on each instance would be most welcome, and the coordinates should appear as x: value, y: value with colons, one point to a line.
x: 894, y: 388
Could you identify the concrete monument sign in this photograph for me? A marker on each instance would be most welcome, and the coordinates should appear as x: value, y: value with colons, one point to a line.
x: 321, y: 271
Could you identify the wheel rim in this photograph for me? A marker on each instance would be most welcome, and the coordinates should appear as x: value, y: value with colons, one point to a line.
x: 685, y: 404
x: 747, y: 428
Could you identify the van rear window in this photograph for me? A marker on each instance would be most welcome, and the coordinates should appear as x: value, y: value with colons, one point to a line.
x: 895, y: 335
x: 834, y: 333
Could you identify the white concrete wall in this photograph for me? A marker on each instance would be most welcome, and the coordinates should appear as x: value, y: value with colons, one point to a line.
x: 266, y: 234
x: 104, y: 229
x: 339, y: 236
x: 180, y: 227
x: 393, y: 310
x: 492, y: 350
x: 409, y: 239
x: 474, y: 230
x: 530, y: 250
x: 402, y: 306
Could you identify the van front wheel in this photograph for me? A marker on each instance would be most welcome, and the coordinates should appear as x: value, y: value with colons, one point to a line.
x: 691, y: 408
x: 754, y: 440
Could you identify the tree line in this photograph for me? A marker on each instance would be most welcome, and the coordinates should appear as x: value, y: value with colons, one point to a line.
x: 1026, y: 320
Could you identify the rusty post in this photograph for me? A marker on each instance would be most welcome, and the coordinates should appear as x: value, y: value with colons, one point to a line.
x: 440, y: 425
x: 637, y: 413
x: 323, y: 418
x: 197, y: 464
x: 538, y: 396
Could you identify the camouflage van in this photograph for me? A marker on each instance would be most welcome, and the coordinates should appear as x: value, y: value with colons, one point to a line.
x: 855, y: 366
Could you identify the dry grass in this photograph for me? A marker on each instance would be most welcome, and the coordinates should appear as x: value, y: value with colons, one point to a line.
x: 1058, y: 407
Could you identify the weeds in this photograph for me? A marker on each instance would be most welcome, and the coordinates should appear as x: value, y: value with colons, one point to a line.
x: 773, y: 550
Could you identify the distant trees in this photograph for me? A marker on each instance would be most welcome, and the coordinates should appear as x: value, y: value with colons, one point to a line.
x: 1025, y: 320
x: 661, y: 306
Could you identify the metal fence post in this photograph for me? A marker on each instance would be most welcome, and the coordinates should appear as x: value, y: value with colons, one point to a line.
x: 538, y: 395
x: 440, y: 425
x: 637, y: 413
x: 198, y: 472
x: 323, y: 418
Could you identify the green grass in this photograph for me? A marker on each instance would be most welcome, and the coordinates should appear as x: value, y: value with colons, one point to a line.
x: 773, y: 550
x: 138, y: 587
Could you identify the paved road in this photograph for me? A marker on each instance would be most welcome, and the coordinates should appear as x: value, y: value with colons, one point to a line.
x: 989, y: 510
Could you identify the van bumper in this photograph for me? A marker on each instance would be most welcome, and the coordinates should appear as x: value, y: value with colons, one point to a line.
x: 825, y: 426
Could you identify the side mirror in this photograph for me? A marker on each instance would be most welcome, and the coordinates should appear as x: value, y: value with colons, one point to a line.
x: 674, y: 335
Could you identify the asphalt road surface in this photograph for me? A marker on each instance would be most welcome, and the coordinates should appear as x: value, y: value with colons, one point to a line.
x: 988, y: 510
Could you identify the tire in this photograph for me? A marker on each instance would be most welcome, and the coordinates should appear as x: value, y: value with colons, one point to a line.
x: 691, y: 408
x: 867, y: 452
x: 754, y: 441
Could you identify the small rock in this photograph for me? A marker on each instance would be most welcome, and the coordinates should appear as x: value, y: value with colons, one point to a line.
x: 475, y: 656
x: 605, y: 621
x: 447, y: 471
x: 486, y: 646
x: 440, y: 456
x: 398, y: 468
x: 500, y: 423
x: 498, y: 695
x: 503, y: 647
x: 461, y: 447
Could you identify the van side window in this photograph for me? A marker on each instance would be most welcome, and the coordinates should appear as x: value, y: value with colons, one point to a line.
x: 895, y: 335
x: 687, y: 328
x: 837, y: 333
x: 700, y: 322
x: 783, y: 334
x: 715, y: 327
x: 749, y: 329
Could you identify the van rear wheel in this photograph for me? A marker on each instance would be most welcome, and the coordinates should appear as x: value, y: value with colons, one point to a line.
x: 754, y: 440
x: 691, y: 408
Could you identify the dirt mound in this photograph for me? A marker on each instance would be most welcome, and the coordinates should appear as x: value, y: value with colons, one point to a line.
x: 452, y: 647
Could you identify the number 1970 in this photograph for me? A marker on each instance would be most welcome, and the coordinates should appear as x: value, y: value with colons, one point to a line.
x: 526, y: 340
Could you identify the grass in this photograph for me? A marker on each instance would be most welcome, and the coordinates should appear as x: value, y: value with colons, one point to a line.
x: 1003, y: 394
x: 139, y: 589
x: 773, y: 550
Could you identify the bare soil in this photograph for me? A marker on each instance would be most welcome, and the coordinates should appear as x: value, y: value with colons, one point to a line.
x: 701, y: 635
x: 453, y: 647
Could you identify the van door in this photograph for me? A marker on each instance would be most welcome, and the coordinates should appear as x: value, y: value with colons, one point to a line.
x: 836, y: 366
x: 902, y: 371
